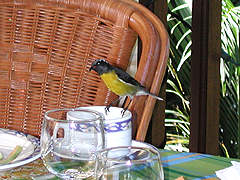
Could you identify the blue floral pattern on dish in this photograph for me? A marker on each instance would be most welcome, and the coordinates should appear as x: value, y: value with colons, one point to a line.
x: 108, y: 127
x: 117, y: 126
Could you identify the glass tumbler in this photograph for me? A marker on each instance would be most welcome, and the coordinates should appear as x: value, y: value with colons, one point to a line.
x: 69, y: 145
x: 129, y: 163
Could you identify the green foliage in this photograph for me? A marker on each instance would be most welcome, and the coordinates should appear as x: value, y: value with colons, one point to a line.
x: 178, y: 84
x: 230, y: 71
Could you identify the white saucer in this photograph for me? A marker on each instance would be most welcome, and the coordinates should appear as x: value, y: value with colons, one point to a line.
x: 9, y: 139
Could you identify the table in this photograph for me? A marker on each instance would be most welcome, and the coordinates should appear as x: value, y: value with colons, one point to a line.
x: 192, y: 165
x: 189, y: 165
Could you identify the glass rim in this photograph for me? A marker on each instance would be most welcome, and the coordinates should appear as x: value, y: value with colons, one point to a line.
x: 148, y: 149
x: 99, y: 116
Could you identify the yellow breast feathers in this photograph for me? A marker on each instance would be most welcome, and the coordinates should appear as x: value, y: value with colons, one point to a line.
x: 116, y: 85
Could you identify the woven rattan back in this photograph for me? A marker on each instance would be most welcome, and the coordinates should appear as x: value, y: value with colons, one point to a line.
x: 47, y: 48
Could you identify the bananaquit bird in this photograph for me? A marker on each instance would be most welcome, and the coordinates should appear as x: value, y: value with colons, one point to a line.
x: 119, y: 82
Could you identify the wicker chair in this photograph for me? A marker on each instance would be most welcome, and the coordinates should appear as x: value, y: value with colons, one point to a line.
x: 47, y: 47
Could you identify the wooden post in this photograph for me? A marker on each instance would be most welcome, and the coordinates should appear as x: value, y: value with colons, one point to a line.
x: 158, y: 118
x: 205, y: 76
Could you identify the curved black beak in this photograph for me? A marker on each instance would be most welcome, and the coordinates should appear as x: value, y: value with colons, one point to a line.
x: 91, y: 68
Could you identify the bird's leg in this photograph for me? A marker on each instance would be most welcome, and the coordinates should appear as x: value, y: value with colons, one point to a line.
x: 113, y: 102
x: 124, y: 109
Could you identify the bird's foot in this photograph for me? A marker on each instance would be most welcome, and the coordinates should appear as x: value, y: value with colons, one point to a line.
x: 126, y: 108
x: 107, y: 109
x: 123, y: 111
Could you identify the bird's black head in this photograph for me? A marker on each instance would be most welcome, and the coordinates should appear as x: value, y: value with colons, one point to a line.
x: 101, y: 66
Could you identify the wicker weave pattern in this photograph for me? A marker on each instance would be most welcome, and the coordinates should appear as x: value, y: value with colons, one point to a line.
x: 47, y: 47
x: 44, y: 60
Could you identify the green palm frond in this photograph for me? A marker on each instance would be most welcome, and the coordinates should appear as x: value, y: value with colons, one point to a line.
x: 178, y: 84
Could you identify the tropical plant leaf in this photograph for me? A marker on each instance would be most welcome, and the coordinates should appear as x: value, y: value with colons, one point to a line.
x: 178, y: 84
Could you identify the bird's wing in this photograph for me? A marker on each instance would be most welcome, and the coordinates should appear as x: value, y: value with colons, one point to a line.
x: 124, y: 76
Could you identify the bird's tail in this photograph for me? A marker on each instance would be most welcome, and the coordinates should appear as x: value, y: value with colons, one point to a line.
x: 143, y: 92
x: 153, y: 95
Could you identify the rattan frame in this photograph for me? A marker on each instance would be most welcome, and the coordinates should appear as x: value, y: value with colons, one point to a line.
x: 47, y: 48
